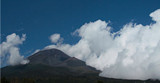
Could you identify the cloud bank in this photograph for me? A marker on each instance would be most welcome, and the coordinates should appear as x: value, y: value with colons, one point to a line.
x: 10, y: 52
x: 131, y: 53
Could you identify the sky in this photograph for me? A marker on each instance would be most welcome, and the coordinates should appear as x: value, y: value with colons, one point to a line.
x: 39, y: 19
x: 106, y: 34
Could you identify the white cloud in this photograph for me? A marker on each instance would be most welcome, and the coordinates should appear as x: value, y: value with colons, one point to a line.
x: 55, y: 38
x: 156, y: 15
x: 131, y: 53
x: 10, y: 50
x: 35, y: 51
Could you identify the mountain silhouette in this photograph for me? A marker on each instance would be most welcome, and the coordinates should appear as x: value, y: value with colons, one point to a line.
x: 54, y: 66
x: 49, y: 64
x: 57, y: 58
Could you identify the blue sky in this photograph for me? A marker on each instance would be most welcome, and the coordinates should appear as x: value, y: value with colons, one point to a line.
x: 39, y: 19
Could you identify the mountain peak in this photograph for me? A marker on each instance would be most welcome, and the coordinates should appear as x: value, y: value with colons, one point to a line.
x: 54, y: 58
x: 50, y: 57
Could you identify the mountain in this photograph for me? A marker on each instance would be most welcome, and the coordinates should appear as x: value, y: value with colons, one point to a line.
x: 54, y: 58
x: 58, y: 59
x: 50, y: 64
x: 54, y: 66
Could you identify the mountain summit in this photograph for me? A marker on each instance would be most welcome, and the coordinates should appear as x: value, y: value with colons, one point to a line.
x: 57, y: 58
x: 52, y: 57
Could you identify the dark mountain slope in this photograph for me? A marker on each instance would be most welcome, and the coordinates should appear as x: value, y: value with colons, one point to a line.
x: 57, y: 58
x: 52, y: 57
x: 48, y: 64
x: 54, y: 66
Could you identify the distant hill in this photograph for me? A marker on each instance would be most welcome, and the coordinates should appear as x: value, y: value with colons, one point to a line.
x: 54, y: 66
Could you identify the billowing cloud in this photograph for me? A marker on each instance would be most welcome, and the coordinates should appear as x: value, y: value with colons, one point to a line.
x: 55, y: 38
x: 156, y: 15
x: 10, y: 51
x: 131, y: 53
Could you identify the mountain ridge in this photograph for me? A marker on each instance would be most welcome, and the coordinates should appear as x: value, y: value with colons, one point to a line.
x: 54, y: 66
x: 57, y: 58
